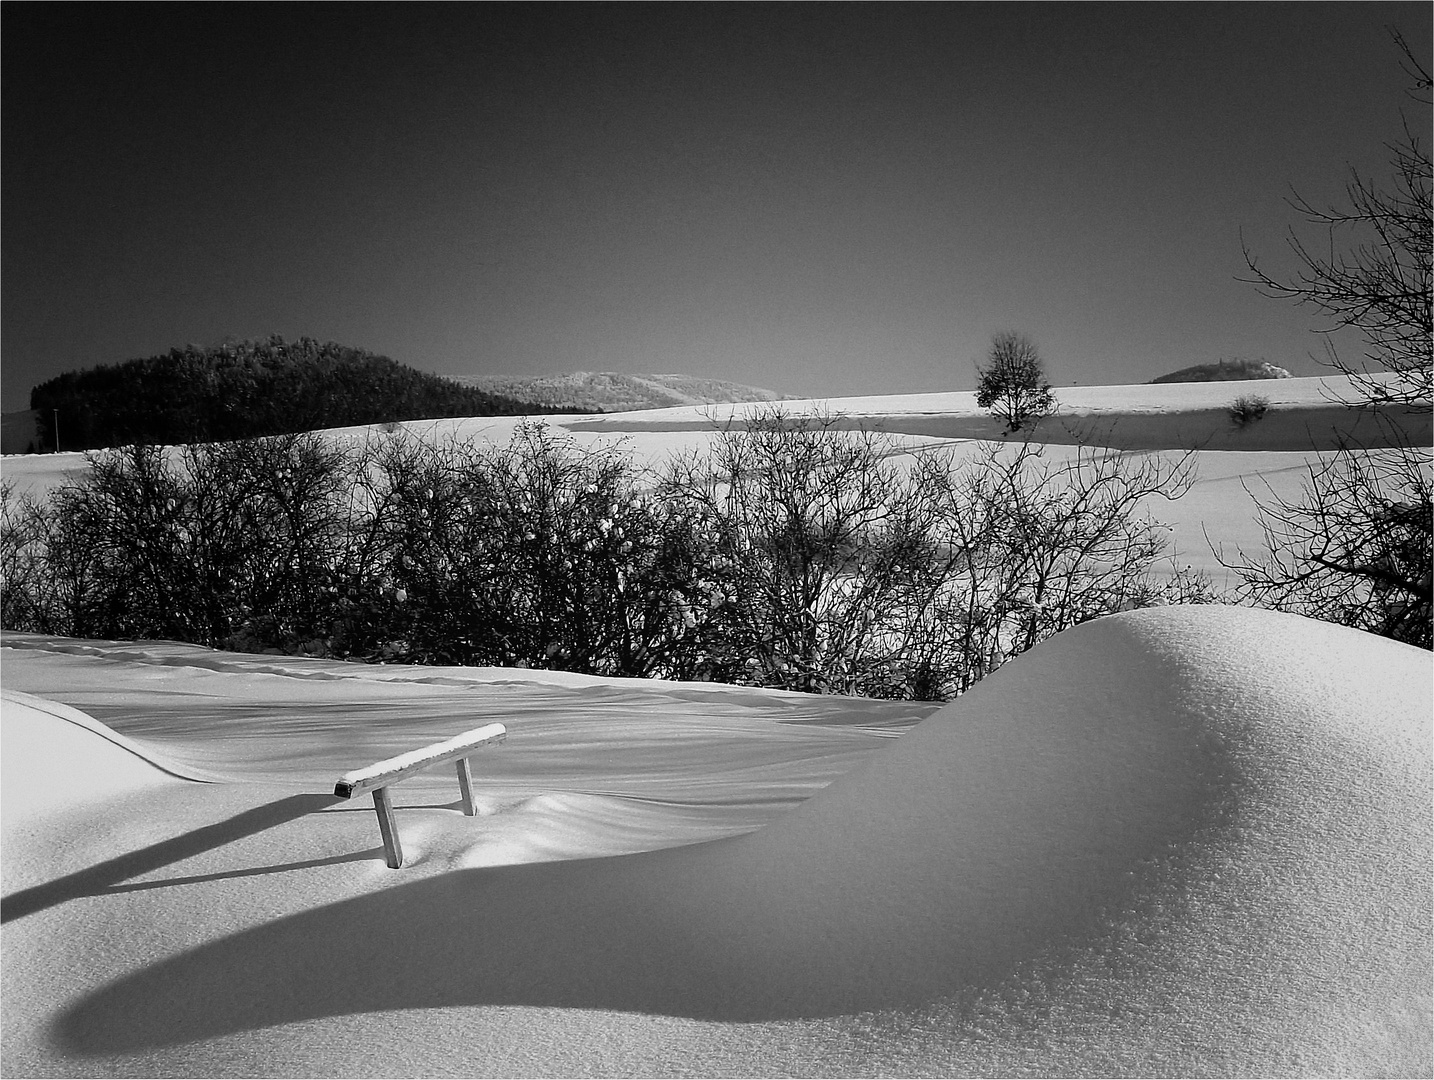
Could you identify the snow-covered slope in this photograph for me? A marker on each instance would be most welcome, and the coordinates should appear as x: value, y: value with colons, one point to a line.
x: 608, y: 391
x: 1303, y: 415
x: 1181, y: 841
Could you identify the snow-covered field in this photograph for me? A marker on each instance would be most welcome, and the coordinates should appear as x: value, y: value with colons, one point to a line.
x: 1181, y: 841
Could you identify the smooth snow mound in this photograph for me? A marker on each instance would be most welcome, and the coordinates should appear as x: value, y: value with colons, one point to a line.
x: 1174, y: 841
x: 58, y: 758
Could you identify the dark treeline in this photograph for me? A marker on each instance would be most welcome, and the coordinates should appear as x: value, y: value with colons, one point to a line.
x: 790, y: 555
x: 248, y: 389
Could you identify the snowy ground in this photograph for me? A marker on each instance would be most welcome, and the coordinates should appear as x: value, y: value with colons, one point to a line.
x: 1184, y: 841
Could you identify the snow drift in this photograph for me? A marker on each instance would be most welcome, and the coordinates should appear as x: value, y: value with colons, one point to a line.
x: 58, y: 758
x: 1180, y: 840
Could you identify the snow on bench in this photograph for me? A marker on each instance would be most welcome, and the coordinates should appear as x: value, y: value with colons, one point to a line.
x: 380, y: 775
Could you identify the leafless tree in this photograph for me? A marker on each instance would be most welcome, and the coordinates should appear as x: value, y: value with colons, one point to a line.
x: 1373, y: 274
x: 1012, y: 383
x: 1356, y: 548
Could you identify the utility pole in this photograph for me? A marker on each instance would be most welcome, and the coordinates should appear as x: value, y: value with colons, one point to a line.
x: 57, y: 429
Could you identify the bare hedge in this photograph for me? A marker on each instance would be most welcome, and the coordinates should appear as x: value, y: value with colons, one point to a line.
x: 792, y: 555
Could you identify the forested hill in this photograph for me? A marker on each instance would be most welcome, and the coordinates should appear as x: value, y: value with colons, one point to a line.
x: 1226, y: 371
x: 248, y: 388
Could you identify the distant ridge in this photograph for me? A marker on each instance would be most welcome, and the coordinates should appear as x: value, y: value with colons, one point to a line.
x: 247, y: 389
x: 609, y: 391
x: 1226, y: 371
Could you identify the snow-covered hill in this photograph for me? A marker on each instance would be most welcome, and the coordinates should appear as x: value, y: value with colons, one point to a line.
x: 609, y: 391
x: 1226, y: 371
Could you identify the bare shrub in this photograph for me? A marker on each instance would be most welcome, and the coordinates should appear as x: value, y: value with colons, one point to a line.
x: 583, y: 556
x: 1355, y: 549
x: 1247, y: 408
x: 806, y: 541
x: 794, y: 555
x: 830, y: 569
x: 1032, y: 546
x: 221, y: 544
x: 35, y: 594
x: 538, y: 553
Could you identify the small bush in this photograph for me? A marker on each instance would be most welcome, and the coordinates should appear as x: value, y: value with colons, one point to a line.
x: 1248, y: 408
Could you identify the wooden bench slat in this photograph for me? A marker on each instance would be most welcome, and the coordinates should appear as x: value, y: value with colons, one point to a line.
x: 394, y: 769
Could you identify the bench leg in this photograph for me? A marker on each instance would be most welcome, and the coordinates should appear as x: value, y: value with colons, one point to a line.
x: 465, y: 785
x: 393, y: 852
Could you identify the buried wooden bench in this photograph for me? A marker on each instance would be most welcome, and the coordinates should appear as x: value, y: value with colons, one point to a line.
x: 379, y: 776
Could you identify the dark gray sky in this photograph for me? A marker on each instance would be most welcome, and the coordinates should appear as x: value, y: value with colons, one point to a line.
x: 814, y: 198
